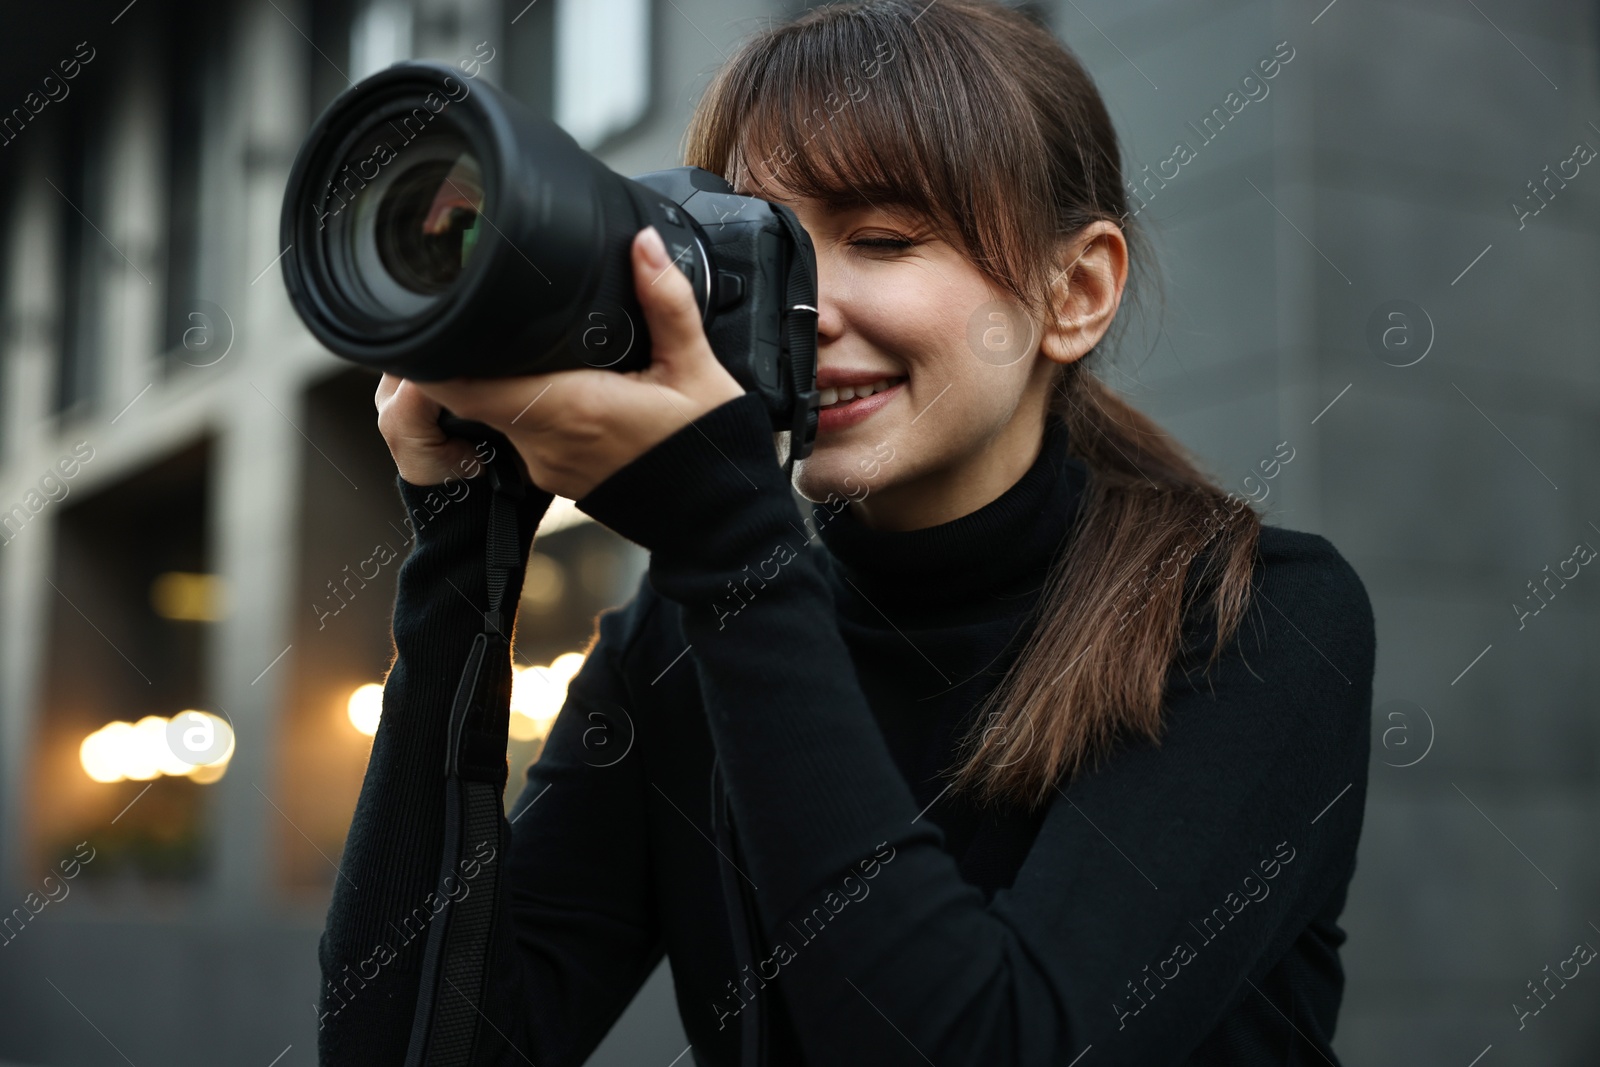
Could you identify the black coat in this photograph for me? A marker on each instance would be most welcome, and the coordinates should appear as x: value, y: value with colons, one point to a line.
x: 1178, y: 905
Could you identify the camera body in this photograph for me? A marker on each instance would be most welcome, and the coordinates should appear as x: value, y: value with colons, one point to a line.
x: 750, y: 312
x: 438, y: 229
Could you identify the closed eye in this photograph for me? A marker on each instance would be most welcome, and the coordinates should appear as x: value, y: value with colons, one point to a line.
x: 891, y: 244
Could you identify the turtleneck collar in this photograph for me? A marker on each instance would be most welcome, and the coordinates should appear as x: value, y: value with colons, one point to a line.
x: 1000, y: 551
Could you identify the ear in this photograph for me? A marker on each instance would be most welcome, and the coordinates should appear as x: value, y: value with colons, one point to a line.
x: 1086, y: 292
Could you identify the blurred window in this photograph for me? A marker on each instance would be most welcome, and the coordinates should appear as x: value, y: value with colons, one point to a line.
x: 379, y: 36
x: 128, y: 620
x: 602, y: 82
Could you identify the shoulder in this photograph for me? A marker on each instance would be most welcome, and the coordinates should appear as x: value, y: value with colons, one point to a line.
x: 1304, y: 581
x: 1282, y: 548
x: 1306, y: 639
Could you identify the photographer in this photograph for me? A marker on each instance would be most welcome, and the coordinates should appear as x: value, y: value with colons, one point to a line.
x: 1061, y: 820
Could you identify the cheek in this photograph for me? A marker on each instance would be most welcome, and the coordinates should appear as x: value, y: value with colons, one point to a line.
x: 960, y: 416
x: 927, y: 319
x: 957, y: 399
x: 962, y: 351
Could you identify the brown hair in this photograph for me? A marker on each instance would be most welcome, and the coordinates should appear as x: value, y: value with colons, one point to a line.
x: 976, y: 117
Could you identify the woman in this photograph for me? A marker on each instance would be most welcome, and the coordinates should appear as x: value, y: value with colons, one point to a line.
x: 1024, y: 743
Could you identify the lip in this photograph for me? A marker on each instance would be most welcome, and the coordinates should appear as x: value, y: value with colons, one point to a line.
x: 831, y: 420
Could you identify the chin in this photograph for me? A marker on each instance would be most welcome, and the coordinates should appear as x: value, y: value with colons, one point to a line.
x: 812, y: 483
x: 850, y: 471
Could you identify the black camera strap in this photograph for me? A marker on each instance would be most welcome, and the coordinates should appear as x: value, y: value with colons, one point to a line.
x: 455, y: 968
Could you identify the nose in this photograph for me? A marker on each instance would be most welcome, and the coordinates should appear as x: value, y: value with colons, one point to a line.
x: 830, y: 315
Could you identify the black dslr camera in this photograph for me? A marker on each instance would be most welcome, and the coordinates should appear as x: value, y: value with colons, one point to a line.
x: 437, y: 229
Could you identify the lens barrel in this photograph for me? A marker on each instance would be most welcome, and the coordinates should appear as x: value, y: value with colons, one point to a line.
x: 437, y: 229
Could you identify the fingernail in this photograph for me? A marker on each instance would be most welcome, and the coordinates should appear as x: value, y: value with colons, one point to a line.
x: 655, y: 250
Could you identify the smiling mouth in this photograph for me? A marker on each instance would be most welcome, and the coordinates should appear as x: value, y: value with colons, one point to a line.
x: 845, y: 394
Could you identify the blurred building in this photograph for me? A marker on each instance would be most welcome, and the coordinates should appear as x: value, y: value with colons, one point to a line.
x: 192, y: 492
x: 199, y: 514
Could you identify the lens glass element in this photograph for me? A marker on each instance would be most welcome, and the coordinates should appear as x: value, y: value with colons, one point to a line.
x: 428, y: 223
x: 401, y: 223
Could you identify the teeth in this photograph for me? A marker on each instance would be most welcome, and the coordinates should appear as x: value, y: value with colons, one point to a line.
x: 846, y: 393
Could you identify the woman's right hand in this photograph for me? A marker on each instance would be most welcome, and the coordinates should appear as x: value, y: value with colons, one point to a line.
x: 423, y: 453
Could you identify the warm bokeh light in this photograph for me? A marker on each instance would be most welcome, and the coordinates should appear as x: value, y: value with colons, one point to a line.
x: 189, y: 597
x: 537, y: 694
x: 544, y: 582
x: 141, y: 751
x: 100, y: 752
x: 365, y: 707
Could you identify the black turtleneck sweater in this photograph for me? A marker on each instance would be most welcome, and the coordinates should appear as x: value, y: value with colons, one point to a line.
x: 1178, y: 905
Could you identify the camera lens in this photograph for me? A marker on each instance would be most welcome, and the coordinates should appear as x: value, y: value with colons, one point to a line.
x: 427, y: 223
x: 401, y: 228
x: 435, y: 229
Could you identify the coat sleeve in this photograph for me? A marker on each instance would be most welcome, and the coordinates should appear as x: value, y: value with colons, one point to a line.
x: 572, y: 933
x: 1198, y: 860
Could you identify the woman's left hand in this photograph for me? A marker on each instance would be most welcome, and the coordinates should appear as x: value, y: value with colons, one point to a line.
x: 575, y: 428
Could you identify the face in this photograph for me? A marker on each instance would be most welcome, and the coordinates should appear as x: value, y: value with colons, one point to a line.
x: 933, y: 380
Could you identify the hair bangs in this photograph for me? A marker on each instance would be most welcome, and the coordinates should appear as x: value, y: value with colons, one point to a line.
x: 867, y: 109
x: 829, y: 123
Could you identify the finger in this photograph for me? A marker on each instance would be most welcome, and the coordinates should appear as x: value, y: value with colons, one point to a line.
x: 415, y: 405
x: 521, y: 401
x: 433, y: 392
x: 667, y: 298
x: 470, y: 398
x: 422, y: 451
x: 386, y: 388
